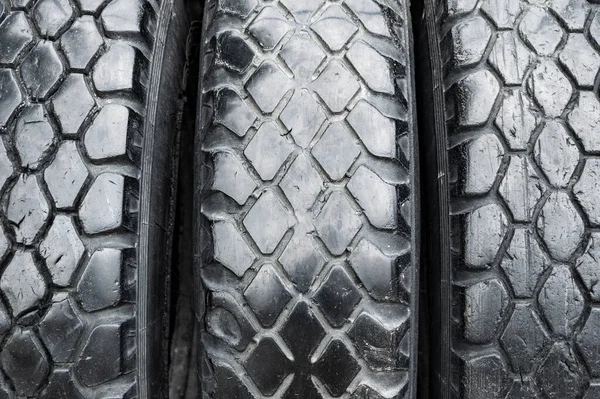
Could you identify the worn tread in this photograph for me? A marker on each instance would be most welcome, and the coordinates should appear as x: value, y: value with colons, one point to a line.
x: 73, y: 78
x: 306, y: 208
x: 520, y: 104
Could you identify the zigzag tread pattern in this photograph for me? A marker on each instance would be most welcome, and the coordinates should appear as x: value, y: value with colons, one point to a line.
x: 523, y: 113
x: 306, y: 186
x: 72, y: 105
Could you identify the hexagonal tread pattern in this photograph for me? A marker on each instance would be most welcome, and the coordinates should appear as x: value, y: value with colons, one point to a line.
x: 308, y: 202
x: 520, y: 76
x: 61, y: 287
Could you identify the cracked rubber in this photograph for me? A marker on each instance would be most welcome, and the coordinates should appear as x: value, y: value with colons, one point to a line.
x: 306, y: 200
x: 85, y: 186
x: 513, y: 128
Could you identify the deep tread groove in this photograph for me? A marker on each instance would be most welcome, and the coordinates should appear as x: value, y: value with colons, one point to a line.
x: 269, y: 194
x: 522, y: 227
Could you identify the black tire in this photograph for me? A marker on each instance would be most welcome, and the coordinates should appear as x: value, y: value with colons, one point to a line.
x: 511, y: 116
x: 307, y: 207
x: 87, y: 116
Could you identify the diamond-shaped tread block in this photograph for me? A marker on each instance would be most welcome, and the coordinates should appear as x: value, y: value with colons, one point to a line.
x: 337, y: 223
x: 51, y: 16
x: 372, y: 67
x: 550, y: 88
x: 336, y: 151
x: 268, y: 375
x: 10, y: 95
x: 230, y: 248
x: 25, y: 362
x: 81, y: 42
x: 336, y: 86
x: 301, y: 184
x: 61, y: 329
x: 561, y: 301
x: 15, y: 36
x: 269, y: 27
x: 485, y: 231
x: 337, y: 296
x: 62, y: 249
x: 524, y: 263
x: 375, y: 269
x: 302, y: 55
x: 560, y: 226
x: 233, y: 113
x: 524, y: 338
x: 334, y: 27
x: 336, y: 357
x: 65, y: 175
x: 22, y: 283
x: 377, y: 198
x: 268, y: 85
x: 266, y: 295
x: 516, y: 119
x: 301, y: 260
x: 479, y: 92
x: 469, y: 39
x: 556, y: 154
x: 585, y: 121
x: 102, y: 270
x: 485, y: 305
x: 268, y: 221
x: 72, y: 103
x: 231, y: 178
x: 34, y: 136
x: 303, y: 117
x: 27, y: 208
x: 541, y: 31
x: 268, y: 150
x: 375, y: 130
x: 561, y: 375
x: 510, y: 58
x: 41, y: 69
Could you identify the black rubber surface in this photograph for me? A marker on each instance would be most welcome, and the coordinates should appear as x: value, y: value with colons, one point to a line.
x: 511, y: 118
x: 306, y: 200
x: 86, y: 185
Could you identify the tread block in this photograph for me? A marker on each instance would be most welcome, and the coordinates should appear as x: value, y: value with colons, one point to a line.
x: 306, y: 217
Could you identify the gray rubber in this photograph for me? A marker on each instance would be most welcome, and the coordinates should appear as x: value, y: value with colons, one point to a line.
x: 306, y: 232
x: 81, y: 199
x: 518, y: 194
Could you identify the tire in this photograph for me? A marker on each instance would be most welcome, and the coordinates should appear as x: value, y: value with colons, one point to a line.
x: 86, y: 165
x: 307, y: 220
x: 510, y: 115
